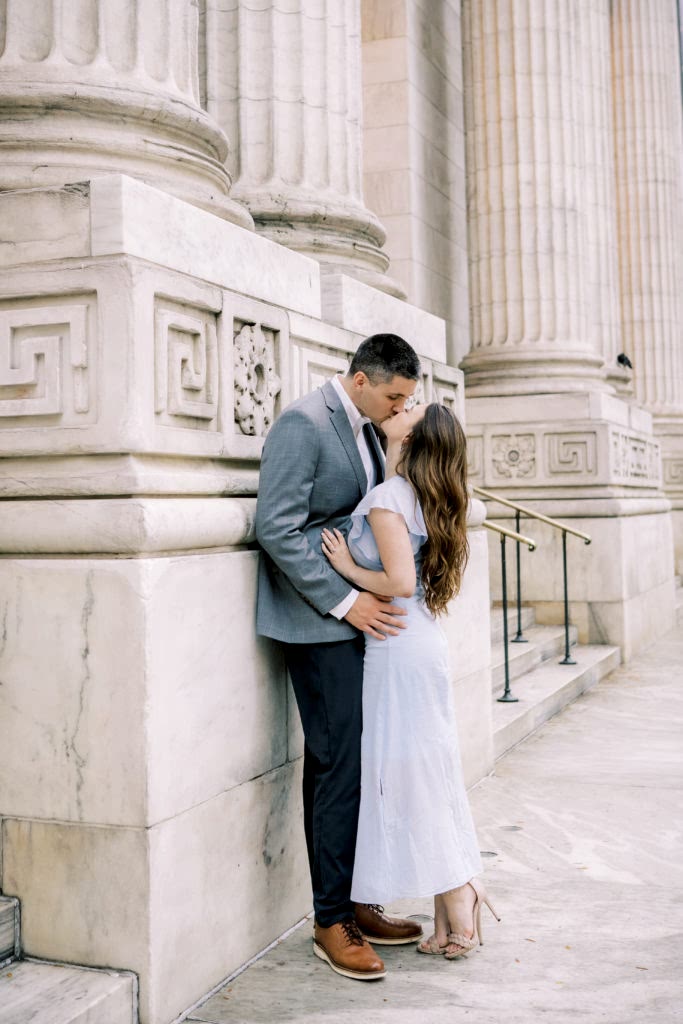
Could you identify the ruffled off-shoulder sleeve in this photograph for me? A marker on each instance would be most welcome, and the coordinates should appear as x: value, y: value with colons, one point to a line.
x: 395, y: 495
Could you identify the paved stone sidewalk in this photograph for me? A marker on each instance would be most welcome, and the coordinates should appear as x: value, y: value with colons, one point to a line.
x: 581, y: 831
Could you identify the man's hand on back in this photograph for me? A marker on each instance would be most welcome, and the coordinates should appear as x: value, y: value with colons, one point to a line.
x: 374, y: 615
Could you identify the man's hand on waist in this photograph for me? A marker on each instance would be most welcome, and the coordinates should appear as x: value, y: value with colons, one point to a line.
x: 375, y: 616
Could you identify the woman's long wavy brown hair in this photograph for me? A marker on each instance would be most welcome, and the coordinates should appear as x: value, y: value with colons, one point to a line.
x: 434, y: 461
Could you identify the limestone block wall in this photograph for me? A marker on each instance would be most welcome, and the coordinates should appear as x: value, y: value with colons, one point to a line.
x: 150, y: 750
x: 414, y: 152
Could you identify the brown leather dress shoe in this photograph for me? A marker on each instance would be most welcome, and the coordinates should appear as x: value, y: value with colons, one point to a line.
x: 385, y: 931
x: 347, y: 952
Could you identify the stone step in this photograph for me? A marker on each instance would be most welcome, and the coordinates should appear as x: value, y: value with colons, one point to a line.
x: 33, y: 992
x: 679, y: 601
x: 9, y: 928
x: 528, y: 619
x: 543, y: 644
x: 546, y: 690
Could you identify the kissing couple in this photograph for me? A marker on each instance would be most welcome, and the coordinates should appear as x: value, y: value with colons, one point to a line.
x: 362, y: 551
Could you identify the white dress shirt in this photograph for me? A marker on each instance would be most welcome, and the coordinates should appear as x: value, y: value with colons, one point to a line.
x: 357, y: 421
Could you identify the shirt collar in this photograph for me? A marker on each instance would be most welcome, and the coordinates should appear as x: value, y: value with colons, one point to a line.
x: 356, y: 418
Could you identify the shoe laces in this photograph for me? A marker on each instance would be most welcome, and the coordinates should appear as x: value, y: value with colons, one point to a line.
x: 352, y: 933
x: 376, y: 908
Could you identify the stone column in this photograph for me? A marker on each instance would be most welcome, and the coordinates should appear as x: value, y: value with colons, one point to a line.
x: 544, y: 424
x: 526, y: 199
x: 91, y: 87
x: 649, y: 159
x: 284, y: 82
x: 649, y: 148
x: 600, y: 206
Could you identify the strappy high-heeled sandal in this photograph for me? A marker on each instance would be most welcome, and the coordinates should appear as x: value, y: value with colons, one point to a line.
x: 431, y: 945
x: 464, y: 943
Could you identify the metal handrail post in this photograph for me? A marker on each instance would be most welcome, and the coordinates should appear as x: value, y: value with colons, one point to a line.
x: 566, y: 660
x: 519, y: 638
x: 507, y: 697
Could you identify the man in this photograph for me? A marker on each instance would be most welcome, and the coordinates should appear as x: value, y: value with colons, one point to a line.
x: 320, y: 457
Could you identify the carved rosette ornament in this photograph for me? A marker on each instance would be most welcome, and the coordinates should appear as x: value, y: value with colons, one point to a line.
x: 514, y: 455
x: 257, y: 384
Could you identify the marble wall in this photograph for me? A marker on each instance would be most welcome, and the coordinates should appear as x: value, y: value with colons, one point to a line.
x: 151, y: 329
x: 150, y: 750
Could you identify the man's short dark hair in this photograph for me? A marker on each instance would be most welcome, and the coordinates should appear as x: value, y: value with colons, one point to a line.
x: 383, y: 356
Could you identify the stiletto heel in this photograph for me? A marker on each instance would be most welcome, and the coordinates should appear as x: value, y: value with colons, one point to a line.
x: 482, y: 897
x: 464, y: 943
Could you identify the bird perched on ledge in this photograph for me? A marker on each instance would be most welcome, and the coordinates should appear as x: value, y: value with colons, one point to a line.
x: 624, y: 361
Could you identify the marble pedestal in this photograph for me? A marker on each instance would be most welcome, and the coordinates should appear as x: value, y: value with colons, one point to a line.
x: 670, y: 435
x: 150, y: 750
x: 592, y: 461
x: 152, y: 770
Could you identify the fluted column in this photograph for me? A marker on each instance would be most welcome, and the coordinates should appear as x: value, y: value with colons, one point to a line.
x: 600, y: 205
x: 93, y: 86
x: 649, y: 150
x: 649, y: 159
x: 527, y: 205
x: 284, y: 82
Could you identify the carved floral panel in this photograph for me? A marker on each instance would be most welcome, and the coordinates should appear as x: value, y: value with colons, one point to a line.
x: 257, y: 382
x: 513, y: 456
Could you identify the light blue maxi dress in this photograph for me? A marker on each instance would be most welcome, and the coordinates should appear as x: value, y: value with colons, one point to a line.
x: 416, y: 837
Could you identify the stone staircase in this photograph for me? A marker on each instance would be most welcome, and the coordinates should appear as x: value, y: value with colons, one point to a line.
x: 36, y: 992
x: 542, y: 686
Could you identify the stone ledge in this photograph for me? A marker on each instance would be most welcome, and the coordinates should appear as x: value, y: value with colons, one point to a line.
x: 113, y: 214
x: 9, y: 928
x: 125, y: 526
x: 46, y: 993
x: 543, y: 644
x: 365, y: 310
x: 129, y: 217
x: 546, y: 690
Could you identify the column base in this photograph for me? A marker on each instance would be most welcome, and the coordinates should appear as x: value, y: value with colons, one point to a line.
x: 149, y: 739
x: 533, y: 370
x: 165, y: 142
x: 342, y: 235
x: 593, y: 462
x: 669, y: 431
x: 148, y: 743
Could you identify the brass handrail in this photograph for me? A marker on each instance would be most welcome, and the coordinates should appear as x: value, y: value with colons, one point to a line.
x: 531, y: 513
x: 519, y: 537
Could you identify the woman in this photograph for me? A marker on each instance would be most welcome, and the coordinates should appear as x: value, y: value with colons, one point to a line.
x: 408, y: 541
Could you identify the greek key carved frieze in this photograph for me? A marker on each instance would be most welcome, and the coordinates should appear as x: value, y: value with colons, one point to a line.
x: 46, y: 356
x: 571, y: 453
x: 447, y: 395
x: 513, y: 455
x: 257, y: 384
x: 313, y: 366
x: 673, y: 472
x: 475, y: 457
x: 186, y: 366
x: 635, y: 458
x: 418, y: 396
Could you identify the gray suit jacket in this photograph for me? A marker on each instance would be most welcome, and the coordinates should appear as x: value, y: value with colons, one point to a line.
x: 312, y: 476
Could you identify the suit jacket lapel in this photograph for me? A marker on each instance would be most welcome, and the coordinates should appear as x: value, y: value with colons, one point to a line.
x: 340, y: 422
